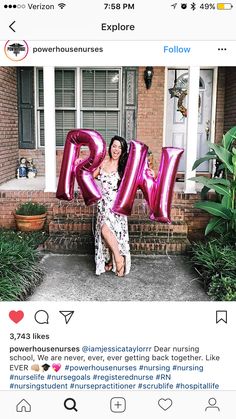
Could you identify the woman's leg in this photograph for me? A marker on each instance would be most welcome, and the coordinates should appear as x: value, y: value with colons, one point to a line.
x: 112, y: 243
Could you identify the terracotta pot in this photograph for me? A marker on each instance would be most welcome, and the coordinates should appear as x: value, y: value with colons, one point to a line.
x: 30, y: 222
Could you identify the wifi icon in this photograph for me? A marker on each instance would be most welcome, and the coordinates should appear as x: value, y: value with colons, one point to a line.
x: 61, y: 5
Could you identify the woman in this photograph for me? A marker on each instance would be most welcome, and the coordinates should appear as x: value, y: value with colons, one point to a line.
x: 111, y: 237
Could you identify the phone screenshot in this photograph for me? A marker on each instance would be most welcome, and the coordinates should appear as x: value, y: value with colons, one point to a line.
x: 117, y: 209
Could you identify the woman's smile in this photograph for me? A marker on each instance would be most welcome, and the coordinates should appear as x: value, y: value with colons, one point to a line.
x: 116, y: 150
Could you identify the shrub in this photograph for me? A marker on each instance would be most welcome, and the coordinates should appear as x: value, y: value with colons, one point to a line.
x: 31, y: 208
x: 215, y: 262
x: 222, y: 288
x: 32, y: 239
x: 212, y: 258
x: 20, y: 271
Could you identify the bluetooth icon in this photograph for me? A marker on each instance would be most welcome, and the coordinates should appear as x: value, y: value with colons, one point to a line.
x: 193, y: 6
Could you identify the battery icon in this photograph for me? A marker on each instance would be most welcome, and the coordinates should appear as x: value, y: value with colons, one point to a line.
x: 224, y: 6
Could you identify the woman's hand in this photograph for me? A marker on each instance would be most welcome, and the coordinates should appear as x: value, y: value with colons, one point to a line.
x: 151, y: 172
x: 78, y: 161
x: 95, y: 173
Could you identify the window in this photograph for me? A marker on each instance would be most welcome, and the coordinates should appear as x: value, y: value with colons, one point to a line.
x: 100, y: 101
x: 65, y: 104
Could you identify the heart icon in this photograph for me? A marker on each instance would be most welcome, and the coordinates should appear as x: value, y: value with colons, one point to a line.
x: 16, y: 316
x: 165, y: 403
x: 56, y: 367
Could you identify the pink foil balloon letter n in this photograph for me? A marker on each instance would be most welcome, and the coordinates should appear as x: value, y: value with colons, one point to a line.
x: 157, y: 192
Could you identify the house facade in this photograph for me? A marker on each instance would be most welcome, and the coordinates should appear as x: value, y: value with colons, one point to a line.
x: 183, y: 107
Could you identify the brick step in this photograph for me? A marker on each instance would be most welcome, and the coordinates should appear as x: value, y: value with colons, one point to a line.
x: 142, y: 211
x: 137, y: 228
x: 84, y: 244
x: 78, y: 206
x: 70, y: 243
x: 160, y: 246
x: 73, y: 208
x: 152, y: 228
x: 139, y: 213
x: 178, y: 196
x: 66, y: 225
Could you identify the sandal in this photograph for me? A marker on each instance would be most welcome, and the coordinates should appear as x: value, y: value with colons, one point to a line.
x: 108, y: 266
x: 121, y: 271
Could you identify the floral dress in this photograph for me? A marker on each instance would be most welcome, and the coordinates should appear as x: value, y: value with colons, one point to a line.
x: 117, y: 224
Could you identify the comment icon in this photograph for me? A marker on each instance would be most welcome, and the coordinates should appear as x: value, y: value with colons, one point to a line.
x: 41, y: 317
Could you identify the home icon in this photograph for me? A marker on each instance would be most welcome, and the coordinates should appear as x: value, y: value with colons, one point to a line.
x: 23, y: 406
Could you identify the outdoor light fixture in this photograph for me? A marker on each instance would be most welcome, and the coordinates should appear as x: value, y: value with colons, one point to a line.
x: 148, y: 75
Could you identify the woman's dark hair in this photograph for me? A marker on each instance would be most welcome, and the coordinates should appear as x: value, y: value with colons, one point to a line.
x: 124, y: 154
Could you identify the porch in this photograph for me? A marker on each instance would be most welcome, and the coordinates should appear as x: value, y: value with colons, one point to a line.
x: 38, y: 184
x: 71, y: 224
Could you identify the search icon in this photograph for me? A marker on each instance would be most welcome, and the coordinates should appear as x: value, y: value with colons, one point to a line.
x: 70, y: 404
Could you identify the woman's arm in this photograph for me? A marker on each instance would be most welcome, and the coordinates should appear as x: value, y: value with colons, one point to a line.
x: 96, y: 172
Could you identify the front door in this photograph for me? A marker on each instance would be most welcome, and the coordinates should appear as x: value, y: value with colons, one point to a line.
x: 177, y: 109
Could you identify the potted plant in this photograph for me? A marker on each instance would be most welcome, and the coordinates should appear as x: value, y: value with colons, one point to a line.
x: 30, y: 216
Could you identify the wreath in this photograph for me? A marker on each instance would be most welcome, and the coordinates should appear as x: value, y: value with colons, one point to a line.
x: 181, y: 108
x: 180, y: 91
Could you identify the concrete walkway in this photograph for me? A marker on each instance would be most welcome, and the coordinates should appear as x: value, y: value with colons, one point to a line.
x: 152, y: 278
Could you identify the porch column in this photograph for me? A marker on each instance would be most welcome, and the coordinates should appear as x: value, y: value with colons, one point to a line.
x: 49, y: 128
x: 192, y: 129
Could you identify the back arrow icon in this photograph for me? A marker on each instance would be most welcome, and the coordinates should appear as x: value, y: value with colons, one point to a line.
x: 10, y: 26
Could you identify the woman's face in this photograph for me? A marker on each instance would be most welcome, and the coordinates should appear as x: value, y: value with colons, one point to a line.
x: 116, y: 150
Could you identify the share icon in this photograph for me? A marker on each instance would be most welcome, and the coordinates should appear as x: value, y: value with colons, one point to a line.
x: 67, y: 315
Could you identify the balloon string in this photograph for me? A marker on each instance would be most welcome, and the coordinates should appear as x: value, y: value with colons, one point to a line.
x: 142, y: 209
x: 168, y: 241
x: 93, y: 221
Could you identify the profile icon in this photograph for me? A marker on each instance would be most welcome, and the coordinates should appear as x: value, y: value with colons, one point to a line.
x: 212, y: 405
x: 16, y: 50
